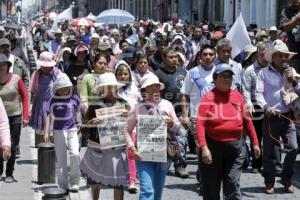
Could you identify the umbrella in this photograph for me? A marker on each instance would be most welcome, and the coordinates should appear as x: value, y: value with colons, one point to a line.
x: 91, y: 17
x: 115, y: 16
x: 82, y: 22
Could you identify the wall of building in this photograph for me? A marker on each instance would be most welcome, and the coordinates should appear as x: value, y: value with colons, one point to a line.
x: 261, y: 12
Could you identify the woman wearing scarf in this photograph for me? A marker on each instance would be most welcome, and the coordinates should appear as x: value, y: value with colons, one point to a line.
x: 65, y: 59
x: 131, y: 94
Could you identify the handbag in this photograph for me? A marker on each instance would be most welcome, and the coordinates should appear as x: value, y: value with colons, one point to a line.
x: 173, y: 148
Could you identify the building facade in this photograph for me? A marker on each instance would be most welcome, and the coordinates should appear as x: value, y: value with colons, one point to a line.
x: 264, y: 13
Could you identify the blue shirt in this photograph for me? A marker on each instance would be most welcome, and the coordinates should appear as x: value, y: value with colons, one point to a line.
x: 268, y: 86
x: 86, y: 39
x: 54, y: 44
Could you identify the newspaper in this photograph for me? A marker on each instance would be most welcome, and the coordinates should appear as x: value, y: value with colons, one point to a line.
x: 111, y: 129
x: 152, y: 138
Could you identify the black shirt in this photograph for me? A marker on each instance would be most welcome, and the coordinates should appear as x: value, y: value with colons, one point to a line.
x: 293, y: 41
x: 173, y: 82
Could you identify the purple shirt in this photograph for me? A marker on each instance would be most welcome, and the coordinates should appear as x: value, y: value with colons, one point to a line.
x: 268, y: 85
x: 64, y: 112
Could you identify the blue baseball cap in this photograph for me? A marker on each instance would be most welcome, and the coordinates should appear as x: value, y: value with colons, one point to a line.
x: 128, y: 53
x: 223, y: 67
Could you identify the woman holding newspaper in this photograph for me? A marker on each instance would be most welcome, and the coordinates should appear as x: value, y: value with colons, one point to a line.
x: 105, y: 160
x: 152, y: 165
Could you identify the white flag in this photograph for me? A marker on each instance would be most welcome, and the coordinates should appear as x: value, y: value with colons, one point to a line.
x: 238, y: 35
x: 65, y: 15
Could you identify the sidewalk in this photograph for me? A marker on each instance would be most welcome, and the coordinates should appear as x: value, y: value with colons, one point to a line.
x: 24, y: 169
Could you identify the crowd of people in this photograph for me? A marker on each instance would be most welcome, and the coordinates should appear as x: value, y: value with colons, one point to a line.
x: 210, y: 102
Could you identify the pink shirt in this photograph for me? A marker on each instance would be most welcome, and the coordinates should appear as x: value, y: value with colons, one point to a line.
x: 163, y: 105
x: 4, y: 127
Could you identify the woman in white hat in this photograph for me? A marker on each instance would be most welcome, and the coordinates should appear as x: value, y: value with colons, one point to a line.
x: 105, y: 166
x: 41, y: 90
x: 62, y: 112
x: 151, y: 174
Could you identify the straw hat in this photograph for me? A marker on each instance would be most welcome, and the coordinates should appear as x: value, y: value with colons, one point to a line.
x: 58, y: 32
x: 151, y: 79
x: 261, y: 33
x: 46, y: 60
x: 103, y: 46
x: 273, y: 28
x: 281, y: 47
x: 249, y: 50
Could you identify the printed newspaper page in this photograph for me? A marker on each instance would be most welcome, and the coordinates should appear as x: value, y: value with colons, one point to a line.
x: 111, y: 129
x: 152, y: 138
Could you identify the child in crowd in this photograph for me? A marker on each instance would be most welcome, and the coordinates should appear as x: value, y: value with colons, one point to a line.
x: 62, y: 110
x: 131, y: 94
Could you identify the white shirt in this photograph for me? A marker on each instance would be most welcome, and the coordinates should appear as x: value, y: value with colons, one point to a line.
x: 12, y: 60
x: 190, y: 88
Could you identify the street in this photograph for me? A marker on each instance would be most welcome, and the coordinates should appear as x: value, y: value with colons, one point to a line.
x: 175, y: 188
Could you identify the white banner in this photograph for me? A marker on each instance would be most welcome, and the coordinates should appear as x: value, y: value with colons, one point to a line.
x: 152, y: 138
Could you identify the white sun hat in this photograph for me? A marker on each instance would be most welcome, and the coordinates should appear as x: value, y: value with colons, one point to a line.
x: 46, y: 60
x: 105, y: 80
x: 151, y: 79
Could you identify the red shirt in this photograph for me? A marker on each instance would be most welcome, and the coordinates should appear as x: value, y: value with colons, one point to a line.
x: 222, y: 117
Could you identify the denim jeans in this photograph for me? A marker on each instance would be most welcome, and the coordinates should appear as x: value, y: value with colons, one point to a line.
x: 275, y: 128
x: 181, y: 138
x: 152, y: 177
